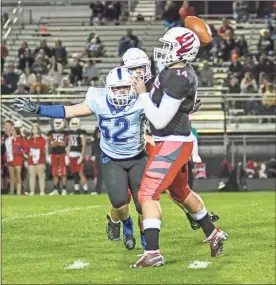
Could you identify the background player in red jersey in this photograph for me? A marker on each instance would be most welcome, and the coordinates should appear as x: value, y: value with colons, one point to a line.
x: 76, y: 153
x: 57, y: 142
x: 168, y: 107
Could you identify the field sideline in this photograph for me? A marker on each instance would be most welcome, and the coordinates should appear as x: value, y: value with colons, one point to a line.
x: 43, y: 235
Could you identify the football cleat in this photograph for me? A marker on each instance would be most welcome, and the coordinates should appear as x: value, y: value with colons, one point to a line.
x: 216, y: 240
x: 128, y: 232
x: 129, y: 241
x: 143, y: 241
x: 214, y: 217
x: 149, y: 259
x: 113, y: 229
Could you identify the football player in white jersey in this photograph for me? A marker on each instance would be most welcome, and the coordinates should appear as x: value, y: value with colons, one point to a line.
x: 122, y: 124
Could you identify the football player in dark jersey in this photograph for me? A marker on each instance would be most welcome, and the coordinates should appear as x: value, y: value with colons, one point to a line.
x: 57, y: 142
x: 137, y: 61
x: 168, y: 107
x: 76, y: 150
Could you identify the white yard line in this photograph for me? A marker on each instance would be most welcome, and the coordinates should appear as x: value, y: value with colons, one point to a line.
x: 66, y: 210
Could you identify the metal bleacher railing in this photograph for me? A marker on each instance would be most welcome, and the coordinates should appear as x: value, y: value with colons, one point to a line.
x: 14, y: 20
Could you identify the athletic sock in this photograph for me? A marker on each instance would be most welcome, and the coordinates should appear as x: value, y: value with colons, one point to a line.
x: 151, y: 231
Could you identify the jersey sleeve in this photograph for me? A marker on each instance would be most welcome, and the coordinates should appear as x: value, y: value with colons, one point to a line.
x: 174, y: 85
x: 82, y: 132
x: 91, y: 99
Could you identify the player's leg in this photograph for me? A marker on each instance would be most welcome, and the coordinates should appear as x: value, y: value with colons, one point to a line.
x: 113, y: 212
x: 135, y: 175
x: 76, y: 177
x: 181, y: 192
x: 83, y: 178
x: 41, y: 173
x: 32, y: 178
x: 54, y: 161
x: 161, y: 170
x: 12, y: 179
x: 116, y: 183
x: 18, y: 169
x: 63, y: 173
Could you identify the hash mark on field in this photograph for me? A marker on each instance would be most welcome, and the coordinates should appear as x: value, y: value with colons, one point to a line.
x: 67, y: 210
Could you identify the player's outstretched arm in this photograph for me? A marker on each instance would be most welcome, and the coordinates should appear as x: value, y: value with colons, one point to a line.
x: 51, y: 111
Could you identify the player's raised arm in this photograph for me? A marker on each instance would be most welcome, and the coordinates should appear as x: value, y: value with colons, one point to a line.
x: 54, y: 111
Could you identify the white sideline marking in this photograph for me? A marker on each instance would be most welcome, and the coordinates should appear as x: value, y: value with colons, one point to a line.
x: 199, y: 264
x: 78, y: 264
x: 67, y: 210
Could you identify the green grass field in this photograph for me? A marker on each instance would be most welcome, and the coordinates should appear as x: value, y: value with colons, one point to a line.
x: 43, y: 235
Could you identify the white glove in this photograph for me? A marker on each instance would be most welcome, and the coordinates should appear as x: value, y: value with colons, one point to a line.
x: 26, y: 164
x: 67, y: 161
x: 80, y: 159
x: 48, y: 159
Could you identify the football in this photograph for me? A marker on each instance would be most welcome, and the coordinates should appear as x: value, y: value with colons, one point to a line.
x: 200, y: 28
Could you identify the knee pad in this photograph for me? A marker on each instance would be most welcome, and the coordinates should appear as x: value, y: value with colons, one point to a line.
x: 76, y: 178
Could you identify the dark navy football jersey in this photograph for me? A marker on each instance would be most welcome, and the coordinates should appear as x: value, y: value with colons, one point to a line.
x: 75, y: 139
x: 181, y: 84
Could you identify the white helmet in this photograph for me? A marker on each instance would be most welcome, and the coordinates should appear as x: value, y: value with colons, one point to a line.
x: 135, y: 57
x: 119, y: 77
x: 59, y: 124
x: 74, y: 124
x: 180, y: 44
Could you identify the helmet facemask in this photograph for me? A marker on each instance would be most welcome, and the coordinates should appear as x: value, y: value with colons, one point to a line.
x: 142, y: 70
x: 121, y: 95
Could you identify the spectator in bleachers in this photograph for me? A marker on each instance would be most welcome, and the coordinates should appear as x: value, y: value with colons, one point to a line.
x: 4, y: 54
x: 186, y: 10
x: 5, y: 89
x: 234, y: 85
x: 225, y: 26
x: 236, y: 67
x: 40, y: 65
x: 55, y: 73
x: 240, y: 11
x: 170, y: 16
x: 65, y: 83
x: 27, y: 78
x: 95, y: 49
x: 264, y: 65
x: 39, y: 87
x: 96, y: 13
x: 20, y: 89
x: 127, y: 41
x: 43, y: 46
x: 248, y: 84
x: 269, y: 99
x: 11, y: 78
x: 206, y: 75
x: 76, y: 73
x: 90, y: 73
x: 112, y: 11
x: 263, y: 82
x: 265, y: 43
x: 60, y: 52
x: 248, y: 64
x: 242, y: 46
x: 23, y: 48
x: 222, y: 53
x: 26, y: 59
x: 230, y: 43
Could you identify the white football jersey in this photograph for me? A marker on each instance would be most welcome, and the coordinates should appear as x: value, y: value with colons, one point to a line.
x: 122, y: 129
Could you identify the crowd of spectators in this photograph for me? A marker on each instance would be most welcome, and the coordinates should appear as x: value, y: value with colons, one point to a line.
x: 104, y: 12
